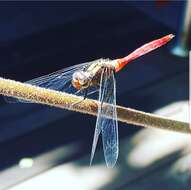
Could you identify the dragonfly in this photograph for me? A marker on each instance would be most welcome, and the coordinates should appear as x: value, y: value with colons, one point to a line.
x: 97, y: 76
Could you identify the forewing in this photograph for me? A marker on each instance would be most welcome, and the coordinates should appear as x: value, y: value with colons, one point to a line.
x: 59, y: 80
x: 108, y: 127
x: 98, y: 126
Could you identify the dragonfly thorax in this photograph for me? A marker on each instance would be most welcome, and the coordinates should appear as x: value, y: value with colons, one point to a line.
x: 92, y: 75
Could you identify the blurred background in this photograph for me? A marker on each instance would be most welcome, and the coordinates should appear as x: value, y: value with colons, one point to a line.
x: 44, y: 147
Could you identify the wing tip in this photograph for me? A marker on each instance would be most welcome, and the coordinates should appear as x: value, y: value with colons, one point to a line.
x: 111, y: 164
x: 91, y: 160
x: 112, y: 159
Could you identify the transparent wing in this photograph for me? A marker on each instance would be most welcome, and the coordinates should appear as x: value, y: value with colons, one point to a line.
x: 108, y: 127
x: 98, y: 127
x: 59, y: 80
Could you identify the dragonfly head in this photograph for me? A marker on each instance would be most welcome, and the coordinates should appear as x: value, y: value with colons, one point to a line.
x: 80, y: 79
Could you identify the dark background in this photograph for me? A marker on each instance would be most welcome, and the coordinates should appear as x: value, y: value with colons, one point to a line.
x: 37, y: 38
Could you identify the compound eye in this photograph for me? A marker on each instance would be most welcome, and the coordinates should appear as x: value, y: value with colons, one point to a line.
x: 83, y: 80
x: 78, y: 75
x: 75, y: 76
x: 81, y: 77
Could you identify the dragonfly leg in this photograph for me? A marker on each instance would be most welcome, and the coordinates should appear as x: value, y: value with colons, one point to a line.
x: 114, y: 73
x: 85, y: 93
x: 85, y: 96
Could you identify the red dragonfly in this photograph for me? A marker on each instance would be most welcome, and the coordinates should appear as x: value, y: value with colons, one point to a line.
x: 97, y: 76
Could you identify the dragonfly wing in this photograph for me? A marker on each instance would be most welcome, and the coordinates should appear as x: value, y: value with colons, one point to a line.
x: 59, y: 80
x: 108, y: 127
x: 98, y: 126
